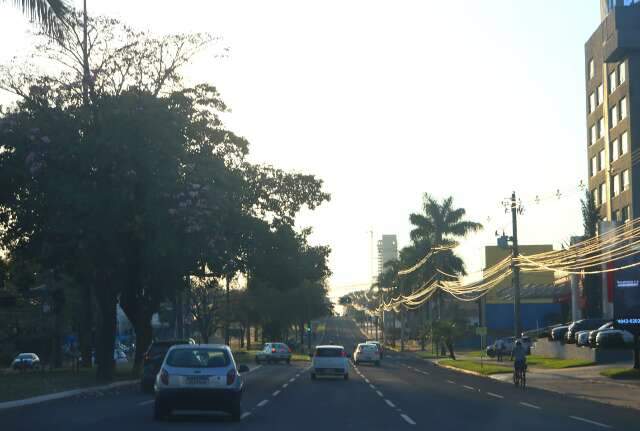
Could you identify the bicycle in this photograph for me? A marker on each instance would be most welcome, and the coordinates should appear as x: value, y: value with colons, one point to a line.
x: 520, y: 376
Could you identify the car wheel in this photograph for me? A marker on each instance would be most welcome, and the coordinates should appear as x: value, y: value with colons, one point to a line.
x: 236, y: 411
x: 313, y: 376
x: 160, y: 412
x: 346, y: 376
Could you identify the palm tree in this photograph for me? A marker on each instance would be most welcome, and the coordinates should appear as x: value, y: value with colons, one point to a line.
x: 49, y: 14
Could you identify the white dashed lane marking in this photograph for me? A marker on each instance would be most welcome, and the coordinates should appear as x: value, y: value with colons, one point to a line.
x: 372, y: 387
x: 407, y: 419
x: 589, y: 421
x: 469, y: 387
x: 276, y: 393
x: 263, y: 403
x: 285, y: 385
x: 452, y: 382
x: 491, y: 394
x: 379, y: 393
x: 531, y: 406
x: 245, y: 415
x: 144, y: 403
x: 390, y: 404
x: 291, y: 380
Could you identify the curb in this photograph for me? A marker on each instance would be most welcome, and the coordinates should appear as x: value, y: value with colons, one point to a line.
x: 60, y: 395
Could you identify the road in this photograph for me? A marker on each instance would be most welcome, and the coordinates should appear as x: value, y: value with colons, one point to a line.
x: 404, y: 393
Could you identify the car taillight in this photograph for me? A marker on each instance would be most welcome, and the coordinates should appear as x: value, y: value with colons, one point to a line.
x: 273, y: 350
x: 164, y: 376
x: 231, y: 377
x: 344, y: 354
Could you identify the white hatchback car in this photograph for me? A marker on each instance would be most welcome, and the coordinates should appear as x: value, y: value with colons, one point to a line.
x: 330, y: 361
x: 199, y: 377
x: 366, y: 352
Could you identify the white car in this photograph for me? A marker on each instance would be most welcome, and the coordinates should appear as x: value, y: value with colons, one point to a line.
x: 366, y: 353
x: 330, y: 361
x: 199, y: 377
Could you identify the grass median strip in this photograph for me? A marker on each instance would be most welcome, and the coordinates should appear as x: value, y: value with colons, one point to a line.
x: 556, y: 364
x: 18, y: 386
x: 621, y: 373
x: 475, y: 366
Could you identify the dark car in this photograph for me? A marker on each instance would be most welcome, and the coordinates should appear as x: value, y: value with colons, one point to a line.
x: 583, y: 325
x: 558, y: 333
x: 153, y: 359
x: 26, y: 361
x: 593, y: 334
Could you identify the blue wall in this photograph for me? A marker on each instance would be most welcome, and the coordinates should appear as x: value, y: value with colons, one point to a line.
x: 500, y: 316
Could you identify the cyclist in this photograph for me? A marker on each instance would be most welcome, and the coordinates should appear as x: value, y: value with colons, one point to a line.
x: 519, y: 355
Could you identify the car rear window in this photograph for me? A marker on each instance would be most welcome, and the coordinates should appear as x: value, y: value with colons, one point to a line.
x: 328, y: 352
x: 369, y: 348
x: 198, y: 358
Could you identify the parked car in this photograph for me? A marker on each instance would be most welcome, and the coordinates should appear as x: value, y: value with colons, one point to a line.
x: 367, y: 352
x: 199, y: 377
x: 614, y: 338
x: 558, y: 333
x: 581, y: 325
x: 26, y: 361
x: 330, y: 361
x: 582, y: 338
x: 593, y: 333
x: 152, y: 361
x: 274, y: 352
x: 508, y: 344
x: 379, y: 344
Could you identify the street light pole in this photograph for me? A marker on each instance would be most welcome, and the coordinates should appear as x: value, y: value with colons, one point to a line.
x: 515, y: 268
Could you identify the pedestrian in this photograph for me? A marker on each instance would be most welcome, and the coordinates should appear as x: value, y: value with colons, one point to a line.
x: 499, y: 348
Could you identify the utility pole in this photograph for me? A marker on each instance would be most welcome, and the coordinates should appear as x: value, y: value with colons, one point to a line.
x: 517, y: 323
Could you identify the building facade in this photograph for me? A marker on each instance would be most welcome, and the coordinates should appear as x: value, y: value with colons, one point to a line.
x: 612, y: 61
x: 387, y: 250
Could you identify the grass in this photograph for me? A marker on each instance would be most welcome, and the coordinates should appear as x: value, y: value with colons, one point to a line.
x: 556, y: 364
x: 621, y: 373
x: 249, y: 356
x: 17, y: 386
x: 486, y: 369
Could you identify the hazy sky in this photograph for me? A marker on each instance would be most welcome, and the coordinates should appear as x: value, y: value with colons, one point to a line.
x: 386, y: 100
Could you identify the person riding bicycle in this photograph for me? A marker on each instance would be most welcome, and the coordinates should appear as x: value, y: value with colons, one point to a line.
x: 519, y: 355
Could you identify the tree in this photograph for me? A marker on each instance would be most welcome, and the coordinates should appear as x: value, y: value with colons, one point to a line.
x: 204, y: 302
x: 49, y: 14
x: 592, y: 282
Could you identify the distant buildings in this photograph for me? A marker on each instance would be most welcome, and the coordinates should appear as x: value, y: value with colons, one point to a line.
x: 612, y: 65
x: 387, y: 250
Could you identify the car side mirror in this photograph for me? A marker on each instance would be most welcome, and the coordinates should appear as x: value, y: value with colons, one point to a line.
x: 243, y: 369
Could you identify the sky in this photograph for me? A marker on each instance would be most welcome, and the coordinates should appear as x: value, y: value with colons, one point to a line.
x: 387, y: 100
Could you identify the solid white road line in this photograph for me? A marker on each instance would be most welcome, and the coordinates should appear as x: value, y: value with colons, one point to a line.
x: 491, y: 394
x: 408, y: 419
x: 578, y: 418
x: 379, y: 393
x: 390, y: 404
x: 144, y: 403
x: 263, y: 403
x: 245, y: 415
x: 276, y: 393
x: 530, y: 405
x: 469, y: 387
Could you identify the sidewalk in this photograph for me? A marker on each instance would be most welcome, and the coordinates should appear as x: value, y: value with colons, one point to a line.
x: 582, y: 382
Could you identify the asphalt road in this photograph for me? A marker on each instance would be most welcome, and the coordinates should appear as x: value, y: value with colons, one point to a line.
x: 403, y: 393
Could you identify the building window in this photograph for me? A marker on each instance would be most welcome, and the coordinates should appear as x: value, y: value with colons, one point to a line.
x: 594, y: 166
x: 601, y: 160
x: 603, y: 194
x: 625, y: 214
x: 622, y: 73
x: 623, y: 108
x: 600, y: 94
x: 624, y: 143
x: 613, y: 81
x: 592, y: 102
x: 616, y: 185
x: 616, y: 215
x: 594, y: 193
x: 613, y: 114
x: 592, y: 69
x: 615, y: 150
x: 625, y: 179
x: 592, y: 135
x: 601, y: 128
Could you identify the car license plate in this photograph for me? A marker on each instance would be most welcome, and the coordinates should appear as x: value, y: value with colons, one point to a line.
x: 197, y: 380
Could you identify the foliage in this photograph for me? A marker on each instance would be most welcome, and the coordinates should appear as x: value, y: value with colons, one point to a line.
x: 50, y: 14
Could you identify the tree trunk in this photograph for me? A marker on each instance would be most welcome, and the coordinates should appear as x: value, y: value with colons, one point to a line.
x: 227, y: 313
x: 144, y: 334
x: 248, y: 334
x: 106, y: 332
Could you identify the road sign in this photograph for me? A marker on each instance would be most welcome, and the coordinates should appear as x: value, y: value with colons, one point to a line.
x: 481, y: 330
x: 626, y: 301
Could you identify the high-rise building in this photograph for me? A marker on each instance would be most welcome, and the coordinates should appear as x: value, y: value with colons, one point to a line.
x: 612, y: 70
x: 387, y: 250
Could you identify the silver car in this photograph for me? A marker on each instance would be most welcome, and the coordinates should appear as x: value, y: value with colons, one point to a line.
x: 274, y: 352
x: 199, y: 377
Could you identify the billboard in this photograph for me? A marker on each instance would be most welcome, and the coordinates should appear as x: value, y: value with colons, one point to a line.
x: 626, y: 298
